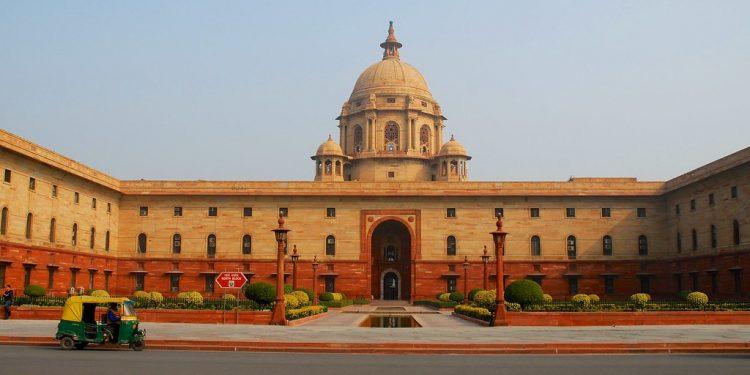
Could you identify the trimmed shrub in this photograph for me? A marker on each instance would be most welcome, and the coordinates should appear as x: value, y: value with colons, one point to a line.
x: 99, y: 293
x: 546, y: 298
x: 338, y: 296
x: 306, y: 311
x: 475, y: 312
x: 288, y: 289
x: 524, y: 292
x: 485, y: 298
x: 191, y: 298
x: 697, y: 299
x: 33, y: 290
x: 155, y: 297
x: 140, y: 294
x: 456, y: 297
x: 683, y: 294
x: 325, y: 297
x: 581, y: 301
x: 260, y: 292
x: 640, y: 300
x: 473, y: 292
x: 340, y: 303
x: 229, y: 298
x: 302, y: 297
x: 445, y: 297
x: 291, y: 301
x: 309, y: 292
x: 594, y: 298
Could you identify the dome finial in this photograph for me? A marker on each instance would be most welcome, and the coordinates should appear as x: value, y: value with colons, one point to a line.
x: 329, y: 137
x: 452, y: 138
x: 391, y: 45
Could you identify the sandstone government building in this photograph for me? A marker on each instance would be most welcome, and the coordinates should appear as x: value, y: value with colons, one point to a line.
x: 391, y: 214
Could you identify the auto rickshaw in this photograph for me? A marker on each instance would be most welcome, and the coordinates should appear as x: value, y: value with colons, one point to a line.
x: 79, y: 327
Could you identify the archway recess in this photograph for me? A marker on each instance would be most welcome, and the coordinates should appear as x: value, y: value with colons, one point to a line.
x: 391, y: 254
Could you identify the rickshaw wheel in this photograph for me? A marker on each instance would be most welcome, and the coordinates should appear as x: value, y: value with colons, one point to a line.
x: 67, y: 343
x: 81, y: 345
x: 138, y: 345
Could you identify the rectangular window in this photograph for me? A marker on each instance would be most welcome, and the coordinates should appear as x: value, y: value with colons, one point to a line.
x: 178, y: 211
x: 572, y: 286
x: 391, y: 174
x: 73, y: 276
x: 737, y: 278
x: 106, y: 281
x: 93, y: 203
x: 210, y: 282
x: 609, y: 285
x: 692, y: 205
x: 143, y: 211
x: 213, y: 211
x: 284, y: 211
x: 678, y: 282
x: 733, y: 191
x: 140, y: 281
x: 450, y: 212
x: 76, y: 197
x: 330, y: 284
x: 645, y: 284
x: 50, y: 278
x: 499, y: 212
x: 570, y: 212
x: 174, y: 283
x: 247, y: 212
x: 109, y: 207
x: 330, y: 212
x: 677, y: 209
x: 26, y: 276
x: 640, y: 212
x: 714, y: 283
x: 606, y: 212
x: 91, y: 279
x: 391, y: 100
x: 6, y: 177
x: 711, y: 200
x: 694, y: 280
x: 450, y: 284
x: 534, y: 212
x: 54, y: 191
x: 32, y: 183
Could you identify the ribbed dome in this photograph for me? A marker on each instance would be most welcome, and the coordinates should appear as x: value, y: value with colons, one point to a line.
x: 391, y: 75
x: 329, y: 148
x: 453, y: 148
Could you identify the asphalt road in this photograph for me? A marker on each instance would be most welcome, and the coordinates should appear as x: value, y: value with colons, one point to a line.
x: 46, y: 360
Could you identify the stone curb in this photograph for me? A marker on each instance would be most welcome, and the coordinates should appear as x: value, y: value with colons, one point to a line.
x: 421, y: 348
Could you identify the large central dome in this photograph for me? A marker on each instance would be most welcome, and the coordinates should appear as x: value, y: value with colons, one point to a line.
x: 391, y: 75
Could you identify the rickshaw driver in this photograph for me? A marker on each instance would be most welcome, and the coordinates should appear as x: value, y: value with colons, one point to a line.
x: 113, y: 321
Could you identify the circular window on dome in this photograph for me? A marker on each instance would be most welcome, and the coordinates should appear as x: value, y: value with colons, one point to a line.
x: 391, y: 137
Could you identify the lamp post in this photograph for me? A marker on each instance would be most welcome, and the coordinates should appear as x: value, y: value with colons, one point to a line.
x: 278, y: 317
x: 485, y: 260
x: 498, y: 237
x: 315, y: 280
x: 295, y: 258
x: 466, y: 279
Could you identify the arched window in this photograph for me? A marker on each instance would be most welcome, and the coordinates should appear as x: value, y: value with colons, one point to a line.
x: 444, y: 169
x: 318, y: 168
x: 391, y: 137
x: 695, y: 239
x: 390, y: 253
x: 211, y: 246
x: 357, y: 139
x: 142, y: 242
x: 74, y: 237
x: 642, y: 245
x: 328, y: 167
x: 454, y: 167
x: 338, y: 168
x: 713, y: 236
x: 29, y: 220
x: 330, y: 245
x: 536, y: 245
x: 52, y: 230
x: 176, y: 243
x: 92, y: 238
x: 607, y: 245
x: 4, y: 221
x: 424, y: 139
x: 451, y: 245
x: 247, y: 244
x: 106, y: 241
x: 736, y: 232
x: 572, y: 248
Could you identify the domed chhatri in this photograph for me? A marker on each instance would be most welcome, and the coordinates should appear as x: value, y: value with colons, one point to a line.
x: 329, y: 161
x: 329, y: 148
x: 391, y: 128
x: 453, y: 148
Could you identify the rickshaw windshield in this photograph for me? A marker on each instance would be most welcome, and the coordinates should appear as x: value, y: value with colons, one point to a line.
x: 128, y: 308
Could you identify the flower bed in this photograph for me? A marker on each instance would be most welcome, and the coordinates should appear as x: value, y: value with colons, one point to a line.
x: 305, y: 311
x: 437, y: 304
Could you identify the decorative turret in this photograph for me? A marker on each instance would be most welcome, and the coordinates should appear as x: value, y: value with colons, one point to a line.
x: 452, y: 162
x: 391, y: 45
x: 329, y: 161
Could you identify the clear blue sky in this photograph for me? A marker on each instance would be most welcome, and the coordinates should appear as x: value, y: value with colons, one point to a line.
x: 246, y: 91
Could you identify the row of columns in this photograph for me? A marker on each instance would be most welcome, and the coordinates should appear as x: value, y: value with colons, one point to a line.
x: 409, y: 141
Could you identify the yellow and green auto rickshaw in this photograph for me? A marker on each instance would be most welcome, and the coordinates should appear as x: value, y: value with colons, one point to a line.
x: 79, y: 327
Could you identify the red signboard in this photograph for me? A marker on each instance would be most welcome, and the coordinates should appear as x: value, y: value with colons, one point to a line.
x: 231, y: 279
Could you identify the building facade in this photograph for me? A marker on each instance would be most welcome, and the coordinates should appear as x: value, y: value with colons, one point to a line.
x: 391, y: 214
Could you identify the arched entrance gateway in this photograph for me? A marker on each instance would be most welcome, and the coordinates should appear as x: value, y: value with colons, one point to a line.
x: 391, y: 261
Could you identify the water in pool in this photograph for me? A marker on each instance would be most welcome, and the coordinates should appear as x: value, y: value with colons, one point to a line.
x: 390, y: 321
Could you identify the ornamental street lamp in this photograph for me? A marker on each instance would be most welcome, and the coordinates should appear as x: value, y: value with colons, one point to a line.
x: 278, y: 316
x: 466, y: 279
x: 315, y: 280
x: 485, y: 260
x: 498, y: 237
x: 295, y: 258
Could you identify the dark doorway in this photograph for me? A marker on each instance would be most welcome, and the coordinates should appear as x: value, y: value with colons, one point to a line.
x: 390, y: 286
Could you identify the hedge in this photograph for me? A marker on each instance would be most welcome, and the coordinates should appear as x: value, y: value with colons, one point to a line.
x: 524, y: 292
x: 437, y: 304
x: 260, y: 292
x: 306, y: 311
x: 475, y: 312
x: 337, y: 304
x: 33, y: 290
